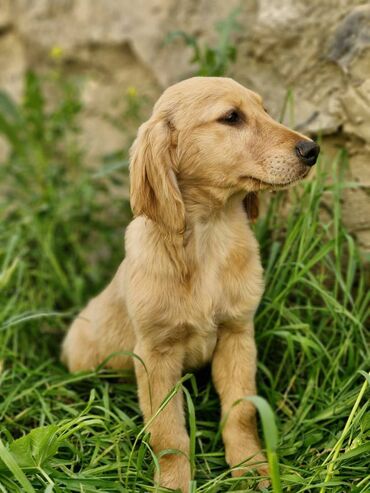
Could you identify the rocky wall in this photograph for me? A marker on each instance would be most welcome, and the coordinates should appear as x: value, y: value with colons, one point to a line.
x: 317, y: 50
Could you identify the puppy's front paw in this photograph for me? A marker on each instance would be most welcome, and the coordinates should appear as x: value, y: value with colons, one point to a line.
x: 244, y: 459
x: 174, y: 472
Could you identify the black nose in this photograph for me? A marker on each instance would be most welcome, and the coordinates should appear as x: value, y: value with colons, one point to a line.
x: 307, y: 151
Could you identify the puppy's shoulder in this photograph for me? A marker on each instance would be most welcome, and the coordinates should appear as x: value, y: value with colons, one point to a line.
x: 140, y: 237
x: 146, y: 250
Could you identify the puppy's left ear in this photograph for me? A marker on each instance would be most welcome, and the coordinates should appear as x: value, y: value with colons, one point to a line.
x: 154, y: 189
x: 251, y: 206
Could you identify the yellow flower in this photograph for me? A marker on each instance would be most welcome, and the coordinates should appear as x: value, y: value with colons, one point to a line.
x: 132, y: 91
x: 56, y: 52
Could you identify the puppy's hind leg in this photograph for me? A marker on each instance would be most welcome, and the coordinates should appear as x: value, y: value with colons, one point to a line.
x: 102, y: 328
x: 79, y: 349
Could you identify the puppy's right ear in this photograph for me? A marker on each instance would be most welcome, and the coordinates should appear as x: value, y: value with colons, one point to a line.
x: 153, y: 186
x: 251, y: 206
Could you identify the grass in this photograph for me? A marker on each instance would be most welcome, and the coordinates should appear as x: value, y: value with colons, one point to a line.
x: 212, y: 60
x: 84, y: 433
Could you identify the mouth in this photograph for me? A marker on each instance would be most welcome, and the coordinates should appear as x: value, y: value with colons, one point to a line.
x: 262, y: 185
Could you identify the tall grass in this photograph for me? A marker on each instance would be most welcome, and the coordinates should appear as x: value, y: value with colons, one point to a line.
x: 60, y: 243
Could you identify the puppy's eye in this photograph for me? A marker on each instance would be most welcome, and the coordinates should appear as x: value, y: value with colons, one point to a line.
x: 231, y: 118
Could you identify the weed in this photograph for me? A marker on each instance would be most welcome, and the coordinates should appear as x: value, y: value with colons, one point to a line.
x: 212, y: 60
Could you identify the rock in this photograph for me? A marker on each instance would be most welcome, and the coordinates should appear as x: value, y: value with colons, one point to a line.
x: 356, y: 104
x: 351, y: 37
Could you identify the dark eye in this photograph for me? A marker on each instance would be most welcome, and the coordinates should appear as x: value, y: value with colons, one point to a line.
x: 231, y: 118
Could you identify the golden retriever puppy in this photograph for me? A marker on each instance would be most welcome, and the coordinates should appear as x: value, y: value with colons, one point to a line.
x: 189, y: 286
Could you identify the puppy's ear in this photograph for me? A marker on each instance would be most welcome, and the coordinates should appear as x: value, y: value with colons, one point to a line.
x: 153, y: 186
x: 251, y: 206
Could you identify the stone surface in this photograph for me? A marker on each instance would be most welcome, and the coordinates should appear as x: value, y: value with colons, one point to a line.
x: 317, y: 53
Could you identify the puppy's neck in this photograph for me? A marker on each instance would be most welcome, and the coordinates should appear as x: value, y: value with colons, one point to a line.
x: 207, y: 205
x: 209, y: 216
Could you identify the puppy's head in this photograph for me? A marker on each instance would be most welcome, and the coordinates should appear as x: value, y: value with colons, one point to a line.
x: 215, y: 135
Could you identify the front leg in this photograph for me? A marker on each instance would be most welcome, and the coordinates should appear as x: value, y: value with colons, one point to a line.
x: 163, y: 369
x: 234, y: 372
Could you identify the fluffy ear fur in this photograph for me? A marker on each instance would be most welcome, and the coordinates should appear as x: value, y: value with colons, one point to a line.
x: 153, y: 186
x: 251, y: 206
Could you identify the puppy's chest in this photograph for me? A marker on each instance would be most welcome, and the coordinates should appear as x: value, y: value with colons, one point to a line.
x: 223, y: 287
x: 226, y: 288
x: 221, y: 291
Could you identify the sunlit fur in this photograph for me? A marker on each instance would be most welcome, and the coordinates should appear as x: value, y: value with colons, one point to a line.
x: 191, y: 281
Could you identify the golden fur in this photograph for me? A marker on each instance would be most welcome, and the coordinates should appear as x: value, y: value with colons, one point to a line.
x: 188, y: 288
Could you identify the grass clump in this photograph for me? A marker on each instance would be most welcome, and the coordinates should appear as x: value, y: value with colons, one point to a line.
x: 212, y: 61
x: 84, y: 432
